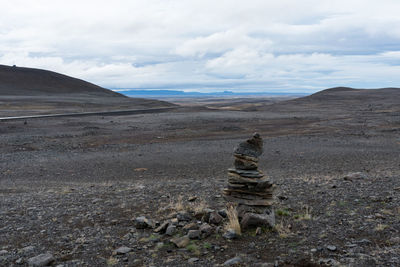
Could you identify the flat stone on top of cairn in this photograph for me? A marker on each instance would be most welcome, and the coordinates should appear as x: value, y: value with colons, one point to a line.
x: 248, y: 187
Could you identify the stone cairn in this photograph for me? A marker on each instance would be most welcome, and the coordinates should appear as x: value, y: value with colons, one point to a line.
x: 248, y: 188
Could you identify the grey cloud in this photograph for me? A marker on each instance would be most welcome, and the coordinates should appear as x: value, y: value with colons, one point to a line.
x: 207, y: 45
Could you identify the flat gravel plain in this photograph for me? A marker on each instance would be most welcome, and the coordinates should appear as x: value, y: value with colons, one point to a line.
x: 72, y: 187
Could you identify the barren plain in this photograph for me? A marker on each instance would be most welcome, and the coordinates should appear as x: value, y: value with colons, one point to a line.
x: 73, y: 187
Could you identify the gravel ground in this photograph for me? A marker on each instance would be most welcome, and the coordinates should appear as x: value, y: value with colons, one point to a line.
x: 73, y: 187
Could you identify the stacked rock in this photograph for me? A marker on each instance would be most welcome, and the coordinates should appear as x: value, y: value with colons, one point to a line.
x: 248, y: 187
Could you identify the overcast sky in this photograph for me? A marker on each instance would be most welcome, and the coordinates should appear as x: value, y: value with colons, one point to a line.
x: 248, y: 45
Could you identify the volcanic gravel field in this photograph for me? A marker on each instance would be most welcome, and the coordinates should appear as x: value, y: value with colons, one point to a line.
x: 72, y: 188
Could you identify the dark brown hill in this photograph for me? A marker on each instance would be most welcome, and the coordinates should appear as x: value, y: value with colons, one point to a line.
x: 346, y: 93
x: 19, y: 81
x: 341, y: 100
x: 27, y: 91
x: 340, y: 96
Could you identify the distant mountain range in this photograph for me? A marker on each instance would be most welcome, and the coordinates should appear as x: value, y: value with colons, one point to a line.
x: 21, y: 81
x: 177, y: 93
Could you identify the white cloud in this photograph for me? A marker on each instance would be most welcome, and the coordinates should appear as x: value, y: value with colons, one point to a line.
x: 221, y: 42
x: 210, y: 45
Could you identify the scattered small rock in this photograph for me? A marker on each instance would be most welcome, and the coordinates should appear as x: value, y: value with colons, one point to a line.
x: 28, y: 249
x: 192, y: 198
x: 363, y: 241
x: 184, y: 216
x: 194, y: 234
x: 231, y: 234
x: 96, y: 200
x: 142, y: 223
x: 254, y: 219
x: 355, y: 175
x: 171, y: 229
x: 159, y: 245
x: 282, y: 197
x: 329, y: 262
x: 181, y: 242
x: 122, y: 250
x: 206, y: 214
x: 206, y: 229
x: 200, y: 214
x: 331, y: 248
x: 215, y: 218
x: 191, y: 226
x: 3, y: 252
x: 223, y: 213
x: 233, y: 261
x: 394, y: 240
x: 258, y: 231
x: 193, y: 260
x: 41, y: 260
x: 162, y: 228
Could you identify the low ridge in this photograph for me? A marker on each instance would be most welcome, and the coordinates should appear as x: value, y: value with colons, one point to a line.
x: 336, y: 90
x: 33, y: 82
x: 341, y: 98
x: 346, y: 93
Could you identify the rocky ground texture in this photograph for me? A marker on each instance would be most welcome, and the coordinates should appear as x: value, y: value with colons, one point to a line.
x: 146, y: 190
